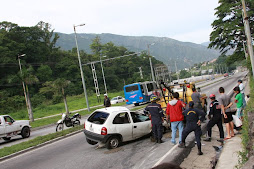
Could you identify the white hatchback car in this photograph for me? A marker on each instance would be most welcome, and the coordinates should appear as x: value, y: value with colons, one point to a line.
x: 118, y: 99
x: 114, y: 125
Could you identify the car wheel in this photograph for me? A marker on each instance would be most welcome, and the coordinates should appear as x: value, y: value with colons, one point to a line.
x: 136, y: 104
x: 91, y: 142
x: 113, y: 142
x: 25, y: 132
x: 59, y: 127
x: 7, y: 138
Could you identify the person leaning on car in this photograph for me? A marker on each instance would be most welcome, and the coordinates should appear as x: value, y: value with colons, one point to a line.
x: 106, y: 101
x: 156, y: 113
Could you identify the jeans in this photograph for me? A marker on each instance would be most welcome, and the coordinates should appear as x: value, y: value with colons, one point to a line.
x: 174, y: 126
x: 244, y: 101
x: 239, y: 112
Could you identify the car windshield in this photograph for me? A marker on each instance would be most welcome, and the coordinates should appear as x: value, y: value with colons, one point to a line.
x: 98, y: 117
x: 114, y: 98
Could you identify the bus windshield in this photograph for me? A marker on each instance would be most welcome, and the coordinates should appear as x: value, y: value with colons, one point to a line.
x: 131, y: 88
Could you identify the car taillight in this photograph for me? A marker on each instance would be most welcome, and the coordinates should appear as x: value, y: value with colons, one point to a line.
x: 104, y: 131
x: 140, y: 98
x: 84, y: 125
x: 127, y: 100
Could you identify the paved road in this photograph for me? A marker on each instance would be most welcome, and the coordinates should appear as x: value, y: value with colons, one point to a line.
x: 40, y: 132
x: 52, y: 129
x: 74, y: 152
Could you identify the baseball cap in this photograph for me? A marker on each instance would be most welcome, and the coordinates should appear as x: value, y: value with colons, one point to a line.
x: 212, y: 95
x: 240, y: 81
x: 105, y: 94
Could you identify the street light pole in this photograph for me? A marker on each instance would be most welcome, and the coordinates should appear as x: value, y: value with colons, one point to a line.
x: 150, y: 60
x: 80, y: 66
x: 102, y: 70
x: 23, y: 84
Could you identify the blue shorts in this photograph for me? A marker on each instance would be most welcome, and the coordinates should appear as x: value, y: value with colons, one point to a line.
x: 239, y: 112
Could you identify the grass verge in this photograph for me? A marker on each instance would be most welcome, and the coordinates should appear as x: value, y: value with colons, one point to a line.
x: 36, y: 141
x: 53, y: 120
x: 243, y: 155
x: 74, y: 103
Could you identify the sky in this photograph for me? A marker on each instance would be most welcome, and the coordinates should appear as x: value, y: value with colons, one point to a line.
x: 183, y: 20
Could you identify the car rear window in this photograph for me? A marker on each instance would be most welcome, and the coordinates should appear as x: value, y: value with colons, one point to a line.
x: 98, y: 117
x: 131, y: 88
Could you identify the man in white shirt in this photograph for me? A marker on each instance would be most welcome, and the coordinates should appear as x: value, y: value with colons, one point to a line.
x: 242, y: 87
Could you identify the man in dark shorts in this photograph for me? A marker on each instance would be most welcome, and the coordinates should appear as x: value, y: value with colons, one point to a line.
x: 225, y: 104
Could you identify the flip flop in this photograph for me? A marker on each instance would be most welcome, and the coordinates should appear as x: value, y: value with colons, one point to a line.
x: 227, y: 138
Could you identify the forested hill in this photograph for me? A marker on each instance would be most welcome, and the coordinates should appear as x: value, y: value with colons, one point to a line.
x: 165, y: 49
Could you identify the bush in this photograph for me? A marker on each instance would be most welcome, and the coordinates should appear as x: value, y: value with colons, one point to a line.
x: 37, y: 100
x: 57, y: 99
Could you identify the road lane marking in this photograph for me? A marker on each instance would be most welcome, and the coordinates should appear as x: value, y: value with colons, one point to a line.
x: 162, y: 158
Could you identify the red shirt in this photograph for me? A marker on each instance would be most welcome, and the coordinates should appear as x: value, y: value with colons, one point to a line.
x: 175, y: 112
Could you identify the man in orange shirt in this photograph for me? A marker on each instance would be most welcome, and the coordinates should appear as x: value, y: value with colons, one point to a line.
x: 174, y: 113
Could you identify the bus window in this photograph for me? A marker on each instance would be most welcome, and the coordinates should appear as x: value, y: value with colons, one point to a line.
x: 131, y: 88
x: 149, y: 87
x: 142, y: 89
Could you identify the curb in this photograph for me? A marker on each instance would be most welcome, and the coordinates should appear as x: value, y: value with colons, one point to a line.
x: 39, y: 145
x: 178, y: 155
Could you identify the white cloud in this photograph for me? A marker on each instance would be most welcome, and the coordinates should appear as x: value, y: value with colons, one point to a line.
x: 167, y: 18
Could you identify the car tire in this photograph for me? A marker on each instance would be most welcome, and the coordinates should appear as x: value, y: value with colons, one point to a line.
x: 136, y: 104
x: 113, y: 142
x: 25, y: 132
x: 91, y: 141
x: 7, y: 138
x: 59, y: 127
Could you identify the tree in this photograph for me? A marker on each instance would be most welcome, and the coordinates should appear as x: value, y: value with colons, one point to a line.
x: 228, y: 29
x: 57, y: 87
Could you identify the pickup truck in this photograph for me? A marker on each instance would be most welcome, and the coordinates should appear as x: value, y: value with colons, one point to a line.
x: 10, y: 128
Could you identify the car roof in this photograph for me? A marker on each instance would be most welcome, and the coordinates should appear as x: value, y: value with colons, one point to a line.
x: 114, y: 109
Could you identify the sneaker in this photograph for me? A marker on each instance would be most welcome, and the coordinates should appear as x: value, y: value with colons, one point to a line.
x: 208, y: 139
x: 172, y: 143
x: 160, y: 141
x: 200, y: 153
x: 182, y: 145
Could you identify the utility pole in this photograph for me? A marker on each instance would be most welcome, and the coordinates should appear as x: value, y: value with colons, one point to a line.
x: 150, y: 60
x: 177, y: 73
x: 140, y: 71
x: 80, y: 67
x: 28, y: 102
x: 248, y: 35
x: 102, y: 70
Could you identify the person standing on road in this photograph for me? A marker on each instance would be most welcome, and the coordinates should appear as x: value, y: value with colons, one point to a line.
x: 225, y: 104
x: 239, y: 102
x: 193, y: 123
x: 215, y: 118
x: 242, y: 87
x: 106, y: 101
x: 174, y: 113
x: 157, y: 119
x: 196, y: 97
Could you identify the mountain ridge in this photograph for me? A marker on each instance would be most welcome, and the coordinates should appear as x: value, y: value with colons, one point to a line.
x: 165, y: 49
